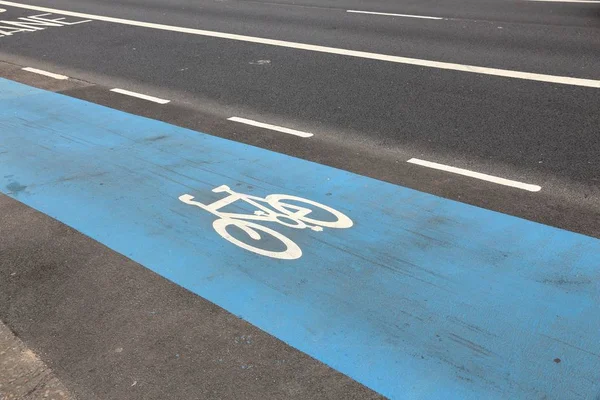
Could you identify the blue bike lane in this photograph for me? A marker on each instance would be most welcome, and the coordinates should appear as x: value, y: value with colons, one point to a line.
x: 422, y: 297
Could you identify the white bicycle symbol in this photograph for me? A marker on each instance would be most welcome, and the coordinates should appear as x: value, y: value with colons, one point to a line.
x: 290, y: 215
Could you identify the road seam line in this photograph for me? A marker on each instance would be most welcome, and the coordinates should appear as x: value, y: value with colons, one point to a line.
x: 271, y: 127
x: 564, y: 80
x: 140, y: 96
x: 45, y: 73
x: 393, y: 15
x: 478, y: 175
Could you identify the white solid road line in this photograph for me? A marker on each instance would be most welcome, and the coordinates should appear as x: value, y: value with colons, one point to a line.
x: 271, y: 127
x: 45, y: 73
x: 393, y: 15
x: 140, y: 96
x: 472, y: 174
x: 565, y: 80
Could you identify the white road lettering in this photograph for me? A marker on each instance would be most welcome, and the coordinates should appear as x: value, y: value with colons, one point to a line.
x: 23, y: 25
x: 59, y: 20
x: 34, y: 23
x: 9, y: 30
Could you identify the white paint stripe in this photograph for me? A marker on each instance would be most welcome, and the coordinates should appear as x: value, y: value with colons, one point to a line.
x: 45, y: 73
x: 140, y: 96
x: 393, y: 15
x: 565, y: 80
x: 485, y: 177
x: 271, y: 127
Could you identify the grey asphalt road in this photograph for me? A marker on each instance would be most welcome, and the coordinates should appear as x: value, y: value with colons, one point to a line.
x: 524, y: 130
x: 83, y: 307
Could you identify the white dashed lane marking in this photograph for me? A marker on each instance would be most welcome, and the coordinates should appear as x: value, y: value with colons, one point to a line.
x: 45, y: 73
x: 393, y: 15
x: 140, y: 96
x: 477, y: 175
x: 270, y: 127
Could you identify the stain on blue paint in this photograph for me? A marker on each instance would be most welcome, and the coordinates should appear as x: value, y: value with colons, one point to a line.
x: 423, y: 298
x: 14, y: 188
